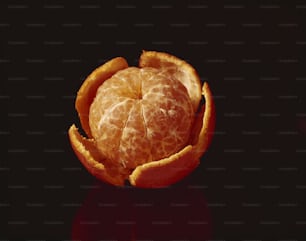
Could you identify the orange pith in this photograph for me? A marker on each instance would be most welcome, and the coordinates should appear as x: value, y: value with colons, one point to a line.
x: 139, y: 116
x: 143, y: 124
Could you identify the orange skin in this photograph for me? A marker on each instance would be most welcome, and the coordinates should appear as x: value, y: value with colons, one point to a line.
x: 157, y: 173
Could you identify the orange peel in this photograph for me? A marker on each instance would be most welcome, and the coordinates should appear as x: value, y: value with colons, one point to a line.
x: 154, y: 173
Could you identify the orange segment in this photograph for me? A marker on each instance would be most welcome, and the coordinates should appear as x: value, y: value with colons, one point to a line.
x: 107, y: 129
x: 177, y: 68
x: 89, y: 87
x: 135, y: 147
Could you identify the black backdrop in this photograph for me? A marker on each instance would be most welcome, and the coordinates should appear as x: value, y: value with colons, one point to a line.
x: 250, y: 184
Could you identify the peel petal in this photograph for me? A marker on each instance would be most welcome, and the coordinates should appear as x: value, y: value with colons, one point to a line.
x: 208, y: 123
x: 88, y: 90
x: 180, y: 69
x: 87, y: 153
x: 166, y: 171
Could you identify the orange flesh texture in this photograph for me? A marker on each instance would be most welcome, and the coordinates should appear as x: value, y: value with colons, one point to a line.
x: 139, y: 116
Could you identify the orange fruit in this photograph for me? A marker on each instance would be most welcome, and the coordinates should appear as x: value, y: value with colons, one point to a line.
x: 143, y: 123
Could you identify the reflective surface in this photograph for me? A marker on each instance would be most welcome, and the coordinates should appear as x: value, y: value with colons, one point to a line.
x: 129, y: 214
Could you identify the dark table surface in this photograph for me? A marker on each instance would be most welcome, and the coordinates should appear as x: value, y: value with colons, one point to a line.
x: 251, y: 183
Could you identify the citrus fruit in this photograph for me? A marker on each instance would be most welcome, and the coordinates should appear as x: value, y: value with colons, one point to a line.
x: 143, y: 123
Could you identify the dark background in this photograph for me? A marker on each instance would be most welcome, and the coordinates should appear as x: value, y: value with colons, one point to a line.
x: 251, y: 183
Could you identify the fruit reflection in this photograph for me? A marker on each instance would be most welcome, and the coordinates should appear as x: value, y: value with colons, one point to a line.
x: 112, y: 213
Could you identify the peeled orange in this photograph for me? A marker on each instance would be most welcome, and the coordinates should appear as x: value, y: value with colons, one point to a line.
x: 143, y: 124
